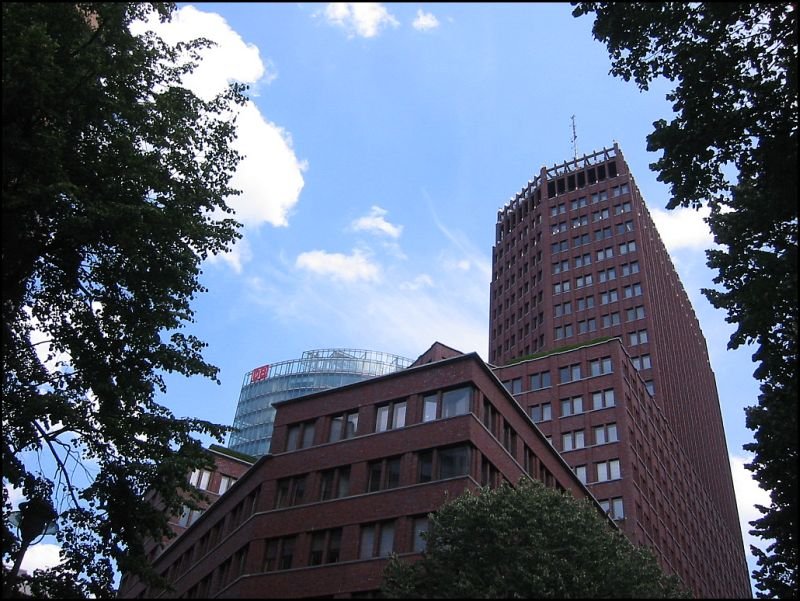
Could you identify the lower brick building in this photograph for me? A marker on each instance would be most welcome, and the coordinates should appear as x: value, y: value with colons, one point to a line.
x: 354, y: 471
x: 352, y: 475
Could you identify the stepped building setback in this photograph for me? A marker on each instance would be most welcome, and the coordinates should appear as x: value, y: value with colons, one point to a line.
x: 598, y: 383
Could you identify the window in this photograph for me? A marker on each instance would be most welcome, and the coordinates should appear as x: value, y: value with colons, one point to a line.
x: 639, y: 337
x: 627, y: 247
x: 605, y: 253
x: 558, y: 210
x: 579, y: 203
x: 613, y: 507
x: 635, y: 313
x: 608, y: 470
x: 343, y: 426
x: 602, y: 399
x: 605, y: 434
x: 562, y: 309
x: 377, y: 540
x: 571, y: 406
x: 189, y: 516
x: 448, y: 462
x: 600, y: 215
x: 456, y: 401
x: 589, y: 325
x: 300, y: 436
x: 278, y: 554
x: 419, y: 528
x: 560, y: 266
x: 581, y: 240
x: 611, y: 320
x: 580, y: 471
x: 570, y: 373
x: 603, y: 234
x: 390, y: 416
x: 325, y: 546
x: 572, y: 440
x: 609, y: 297
x: 541, y: 413
x: 383, y: 474
x: 560, y: 287
x: 585, y: 303
x: 559, y: 246
x: 625, y: 207
x: 225, y: 483
x: 584, y: 280
x: 600, y: 366
x: 630, y: 268
x: 513, y: 386
x: 290, y: 491
x: 334, y: 483
x: 559, y: 227
x: 642, y: 362
x: 650, y: 387
x: 633, y: 290
x: 200, y: 479
x: 564, y: 331
x: 579, y: 221
x: 540, y: 380
x: 607, y: 275
x: 583, y: 260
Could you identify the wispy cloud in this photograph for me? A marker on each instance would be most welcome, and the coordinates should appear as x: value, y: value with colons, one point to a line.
x: 270, y: 175
x: 375, y: 223
x: 425, y: 21
x: 683, y: 228
x: 363, y: 19
x: 347, y: 268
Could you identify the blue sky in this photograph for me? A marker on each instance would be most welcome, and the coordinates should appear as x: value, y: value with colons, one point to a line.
x: 381, y: 140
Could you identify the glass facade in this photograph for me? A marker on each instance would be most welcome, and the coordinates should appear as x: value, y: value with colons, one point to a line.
x: 316, y: 370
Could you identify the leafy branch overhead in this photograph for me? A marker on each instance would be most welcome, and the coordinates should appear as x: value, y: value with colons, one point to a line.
x: 115, y: 179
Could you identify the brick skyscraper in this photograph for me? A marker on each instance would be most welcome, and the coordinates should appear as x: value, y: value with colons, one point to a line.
x: 578, y: 259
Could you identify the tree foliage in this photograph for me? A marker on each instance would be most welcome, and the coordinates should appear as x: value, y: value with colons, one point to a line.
x: 526, y: 542
x: 732, y: 145
x: 114, y: 185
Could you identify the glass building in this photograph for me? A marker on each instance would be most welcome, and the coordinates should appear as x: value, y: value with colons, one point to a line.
x: 316, y: 370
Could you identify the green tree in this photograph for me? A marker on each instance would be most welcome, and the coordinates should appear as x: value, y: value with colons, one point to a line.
x: 526, y: 542
x: 732, y: 145
x: 114, y: 185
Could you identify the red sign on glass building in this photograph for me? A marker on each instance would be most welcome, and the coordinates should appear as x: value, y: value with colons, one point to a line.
x: 259, y: 373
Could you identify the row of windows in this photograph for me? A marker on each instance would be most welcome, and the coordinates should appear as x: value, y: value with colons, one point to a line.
x: 601, y: 234
x: 624, y: 248
x: 604, y: 434
x: 590, y: 325
x: 604, y: 275
x: 438, y: 405
x: 382, y: 474
x: 594, y: 198
x: 601, y: 399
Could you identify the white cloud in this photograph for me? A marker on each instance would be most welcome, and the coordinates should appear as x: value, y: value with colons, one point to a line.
x: 748, y: 495
x: 683, y: 228
x: 374, y: 222
x: 425, y: 21
x: 423, y: 280
x: 347, y: 268
x: 41, y: 556
x: 365, y: 19
x: 270, y: 175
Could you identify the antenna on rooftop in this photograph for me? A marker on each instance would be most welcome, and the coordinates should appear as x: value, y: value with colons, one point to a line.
x: 574, y: 140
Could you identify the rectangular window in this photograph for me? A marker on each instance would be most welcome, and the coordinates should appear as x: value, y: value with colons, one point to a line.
x: 605, y: 434
x: 325, y: 546
x: 383, y: 474
x: 600, y: 366
x: 572, y: 440
x: 633, y: 290
x: 377, y: 540
x: 541, y: 413
x: 613, y: 507
x: 589, y: 325
x: 390, y: 416
x: 585, y: 303
x: 627, y: 247
x: 608, y: 470
x: 611, y: 320
x: 343, y: 426
x: 456, y: 401
x: 639, y: 337
x: 607, y: 275
x: 580, y: 471
x: 609, y: 297
x: 420, y: 527
x: 334, y: 483
x: 200, y: 479
x: 453, y: 461
x: 300, y: 436
x: 583, y: 260
x: 584, y: 280
x: 540, y: 380
x: 569, y: 373
x: 225, y: 483
x: 635, y: 313
x: 279, y: 553
x: 630, y: 268
x: 290, y: 491
x: 571, y: 406
x: 602, y: 399
x: 513, y: 386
